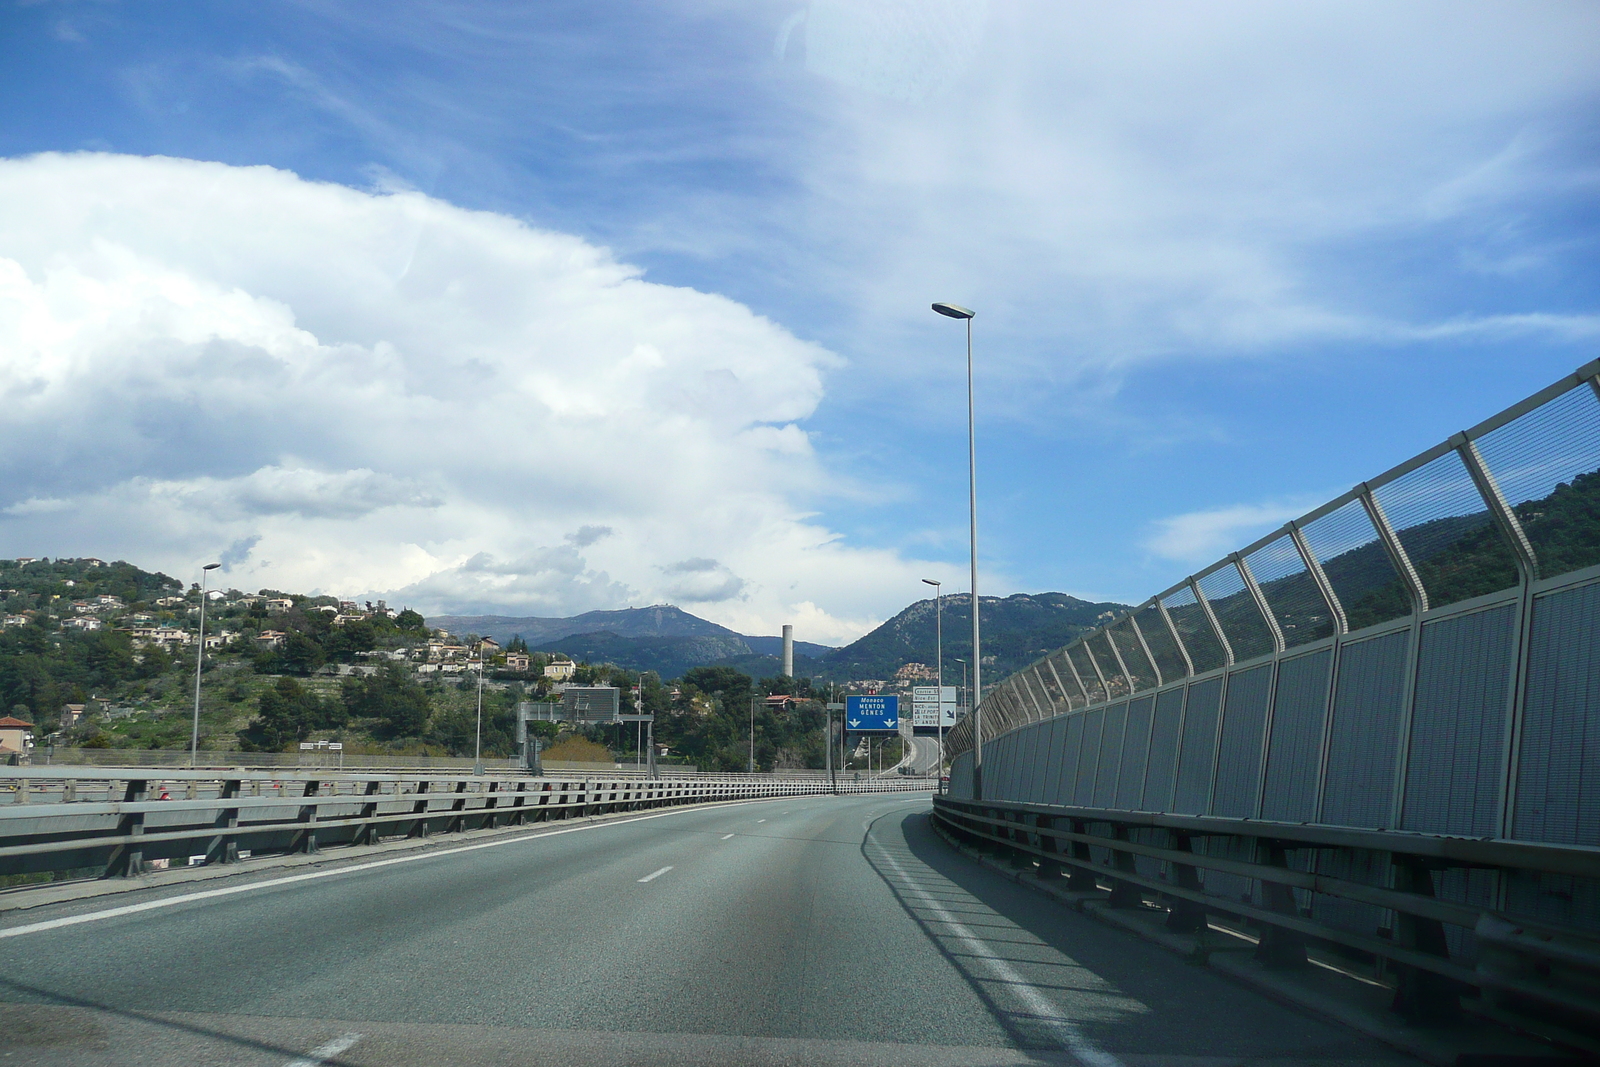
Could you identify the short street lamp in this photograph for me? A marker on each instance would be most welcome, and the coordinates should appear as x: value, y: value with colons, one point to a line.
x: 199, y: 658
x: 956, y: 311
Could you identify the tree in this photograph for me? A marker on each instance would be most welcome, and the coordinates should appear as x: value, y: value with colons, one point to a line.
x: 400, y: 706
x: 410, y: 620
x: 517, y: 644
x: 285, y: 714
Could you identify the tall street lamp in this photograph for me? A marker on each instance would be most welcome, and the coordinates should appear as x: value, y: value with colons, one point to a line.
x: 938, y: 658
x: 199, y: 658
x: 956, y: 311
x: 477, y: 742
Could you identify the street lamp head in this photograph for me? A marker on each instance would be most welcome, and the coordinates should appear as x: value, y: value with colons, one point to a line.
x: 954, y: 311
x: 930, y: 581
x: 211, y: 566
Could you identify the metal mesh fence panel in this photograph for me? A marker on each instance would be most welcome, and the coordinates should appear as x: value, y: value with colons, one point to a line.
x: 1292, y: 594
x: 1458, y: 724
x: 1362, y: 743
x: 1162, y: 760
x: 1079, y: 654
x: 1198, y: 749
x: 1194, y: 629
x: 1099, y: 646
x: 1143, y: 675
x: 1294, y: 751
x: 1236, y: 610
x: 1444, y: 525
x: 1069, y: 681
x: 1135, y: 747
x: 1051, y: 691
x: 1105, y: 780
x: 1547, y: 465
x: 1169, y: 660
x: 1558, y: 777
x: 1346, y: 544
x: 1244, y: 723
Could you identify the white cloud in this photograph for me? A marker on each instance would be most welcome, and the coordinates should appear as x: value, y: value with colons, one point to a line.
x: 1200, y: 537
x: 380, y: 392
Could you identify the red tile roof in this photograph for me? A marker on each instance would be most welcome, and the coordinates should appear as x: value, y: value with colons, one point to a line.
x: 8, y: 723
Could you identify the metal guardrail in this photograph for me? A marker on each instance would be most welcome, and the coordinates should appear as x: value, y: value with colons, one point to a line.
x: 1538, y: 977
x: 115, y: 822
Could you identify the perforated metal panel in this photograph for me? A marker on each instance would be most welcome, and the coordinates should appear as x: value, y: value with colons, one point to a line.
x: 1368, y: 698
x: 1199, y: 747
x: 1058, y: 759
x: 1135, y: 745
x: 1558, y: 778
x: 1088, y: 757
x: 1294, y: 751
x: 1105, y: 780
x: 1458, y: 718
x: 1072, y: 755
x: 1163, y: 758
x: 1244, y: 723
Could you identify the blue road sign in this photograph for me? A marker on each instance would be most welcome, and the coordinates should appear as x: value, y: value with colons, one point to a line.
x: 872, y: 714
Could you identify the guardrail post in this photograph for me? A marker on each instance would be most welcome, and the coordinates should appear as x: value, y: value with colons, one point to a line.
x: 224, y: 848
x: 367, y: 834
x: 1279, y: 947
x: 1124, y: 894
x: 1185, y: 916
x: 128, y: 860
x: 1081, y: 878
x: 419, y: 808
x: 1049, y: 869
x: 306, y: 840
x: 1421, y: 995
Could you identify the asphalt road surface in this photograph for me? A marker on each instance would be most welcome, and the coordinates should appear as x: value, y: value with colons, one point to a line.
x: 822, y: 930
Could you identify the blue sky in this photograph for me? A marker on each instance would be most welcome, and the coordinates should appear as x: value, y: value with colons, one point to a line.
x: 1227, y: 260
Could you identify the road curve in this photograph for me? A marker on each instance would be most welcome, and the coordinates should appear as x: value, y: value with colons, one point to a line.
x: 821, y: 930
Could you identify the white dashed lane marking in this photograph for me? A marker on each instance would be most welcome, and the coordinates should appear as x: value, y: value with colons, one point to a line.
x: 653, y: 875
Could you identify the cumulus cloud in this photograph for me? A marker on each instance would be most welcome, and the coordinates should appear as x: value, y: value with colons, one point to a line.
x: 381, y: 392
x: 1200, y: 537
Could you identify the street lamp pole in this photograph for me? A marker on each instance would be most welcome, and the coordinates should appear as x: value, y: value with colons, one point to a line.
x: 938, y: 659
x: 199, y: 658
x: 477, y: 741
x: 955, y: 311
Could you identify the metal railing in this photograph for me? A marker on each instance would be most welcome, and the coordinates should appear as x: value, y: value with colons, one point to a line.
x: 109, y: 822
x: 1542, y: 978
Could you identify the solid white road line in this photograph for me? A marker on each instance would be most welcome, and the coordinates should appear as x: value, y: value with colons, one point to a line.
x: 726, y: 836
x: 1037, y: 1003
x: 761, y: 820
x: 208, y: 894
x: 653, y: 875
x: 325, y: 1052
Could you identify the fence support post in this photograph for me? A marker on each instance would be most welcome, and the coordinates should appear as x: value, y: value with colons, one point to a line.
x: 1185, y: 916
x: 1279, y: 947
x: 1421, y: 995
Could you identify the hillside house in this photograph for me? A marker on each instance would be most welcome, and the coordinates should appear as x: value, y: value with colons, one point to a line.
x: 560, y: 670
x: 85, y: 624
x: 16, y: 737
x: 518, y: 661
x: 15, y: 620
x: 277, y: 605
x: 271, y: 638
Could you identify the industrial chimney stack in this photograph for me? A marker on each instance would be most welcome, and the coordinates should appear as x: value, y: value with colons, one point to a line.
x: 788, y: 650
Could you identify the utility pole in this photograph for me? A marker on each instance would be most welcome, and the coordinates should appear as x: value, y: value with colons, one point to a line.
x: 199, y: 661
x: 753, y: 699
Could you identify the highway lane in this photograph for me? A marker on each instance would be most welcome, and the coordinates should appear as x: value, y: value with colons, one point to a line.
x: 809, y: 931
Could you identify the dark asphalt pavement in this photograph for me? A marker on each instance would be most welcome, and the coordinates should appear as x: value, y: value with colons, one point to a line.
x: 822, y: 930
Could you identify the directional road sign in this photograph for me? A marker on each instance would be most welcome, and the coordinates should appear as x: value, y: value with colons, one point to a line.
x: 875, y: 714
